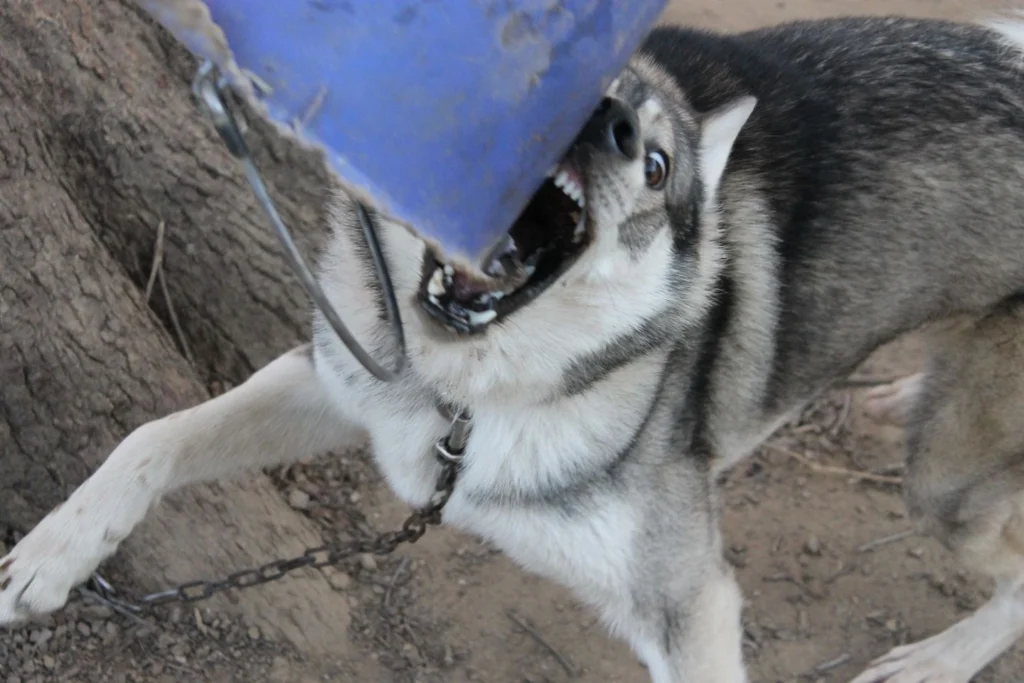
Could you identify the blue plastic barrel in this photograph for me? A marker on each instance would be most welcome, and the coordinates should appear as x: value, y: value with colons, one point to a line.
x: 444, y: 114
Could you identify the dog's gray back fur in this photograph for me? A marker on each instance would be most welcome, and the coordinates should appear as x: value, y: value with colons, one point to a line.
x: 890, y: 157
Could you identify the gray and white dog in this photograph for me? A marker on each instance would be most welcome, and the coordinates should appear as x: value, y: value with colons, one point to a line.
x: 744, y: 219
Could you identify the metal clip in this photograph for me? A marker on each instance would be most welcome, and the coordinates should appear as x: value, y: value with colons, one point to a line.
x: 451, y: 448
x: 209, y: 90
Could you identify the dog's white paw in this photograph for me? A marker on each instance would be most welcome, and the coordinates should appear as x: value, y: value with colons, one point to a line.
x: 916, y: 663
x: 59, y: 554
x: 957, y: 654
x: 893, y: 402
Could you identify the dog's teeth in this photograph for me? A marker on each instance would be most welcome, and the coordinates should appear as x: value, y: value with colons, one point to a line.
x: 570, y: 187
x: 495, y: 269
x: 435, y: 287
x: 477, y: 318
x: 562, y: 181
x: 581, y: 225
x: 495, y: 264
x: 529, y: 271
x: 449, y: 271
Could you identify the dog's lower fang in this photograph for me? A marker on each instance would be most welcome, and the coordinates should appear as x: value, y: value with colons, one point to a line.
x: 500, y: 262
x: 435, y: 287
x: 581, y: 226
x: 478, y: 318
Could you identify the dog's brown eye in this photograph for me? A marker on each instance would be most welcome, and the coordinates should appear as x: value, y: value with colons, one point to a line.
x: 655, y: 170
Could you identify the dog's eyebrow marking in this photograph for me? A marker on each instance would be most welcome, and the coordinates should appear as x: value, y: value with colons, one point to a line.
x: 634, y: 91
x: 651, y: 107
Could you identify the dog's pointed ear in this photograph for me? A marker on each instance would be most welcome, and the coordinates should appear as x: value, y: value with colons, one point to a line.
x: 718, y: 132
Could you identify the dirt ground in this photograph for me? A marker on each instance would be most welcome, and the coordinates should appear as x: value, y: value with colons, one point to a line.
x: 814, y: 525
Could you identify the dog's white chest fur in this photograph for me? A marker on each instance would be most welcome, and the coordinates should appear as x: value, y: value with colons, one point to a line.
x: 518, y: 461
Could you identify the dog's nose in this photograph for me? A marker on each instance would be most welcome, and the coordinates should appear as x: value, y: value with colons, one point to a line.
x: 613, y: 128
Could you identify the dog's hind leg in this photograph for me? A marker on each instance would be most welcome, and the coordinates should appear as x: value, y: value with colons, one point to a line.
x: 281, y: 413
x: 965, y: 485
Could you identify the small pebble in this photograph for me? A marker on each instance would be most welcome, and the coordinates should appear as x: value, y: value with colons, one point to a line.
x: 97, y: 613
x: 254, y: 633
x: 298, y: 499
x: 803, y: 621
x: 339, y: 581
x: 412, y: 655
x: 164, y: 641
x: 40, y: 636
x: 813, y: 546
x: 83, y: 628
x: 367, y: 562
x: 279, y: 670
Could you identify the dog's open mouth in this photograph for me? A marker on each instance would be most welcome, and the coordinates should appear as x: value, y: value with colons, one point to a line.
x: 550, y: 233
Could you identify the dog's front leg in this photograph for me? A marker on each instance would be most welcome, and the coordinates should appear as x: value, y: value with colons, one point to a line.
x: 693, y: 635
x: 681, y: 607
x: 282, y: 413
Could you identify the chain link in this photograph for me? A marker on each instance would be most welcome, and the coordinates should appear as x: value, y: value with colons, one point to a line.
x: 449, y: 452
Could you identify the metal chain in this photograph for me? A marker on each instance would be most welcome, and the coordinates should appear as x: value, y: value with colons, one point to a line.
x: 449, y: 451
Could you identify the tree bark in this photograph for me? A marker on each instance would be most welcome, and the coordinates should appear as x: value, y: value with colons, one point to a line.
x: 99, y: 145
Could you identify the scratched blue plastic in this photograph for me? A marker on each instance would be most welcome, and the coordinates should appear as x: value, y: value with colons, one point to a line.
x: 447, y: 113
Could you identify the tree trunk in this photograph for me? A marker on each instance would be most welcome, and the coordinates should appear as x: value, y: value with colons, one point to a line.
x: 99, y: 145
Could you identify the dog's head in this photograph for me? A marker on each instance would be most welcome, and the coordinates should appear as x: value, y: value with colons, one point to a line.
x: 618, y: 241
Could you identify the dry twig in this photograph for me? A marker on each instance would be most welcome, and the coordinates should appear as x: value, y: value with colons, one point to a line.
x: 156, y: 273
x: 886, y: 540
x: 833, y: 663
x: 566, y: 663
x: 158, y: 259
x: 836, y: 471
x: 864, y: 382
x: 174, y: 320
